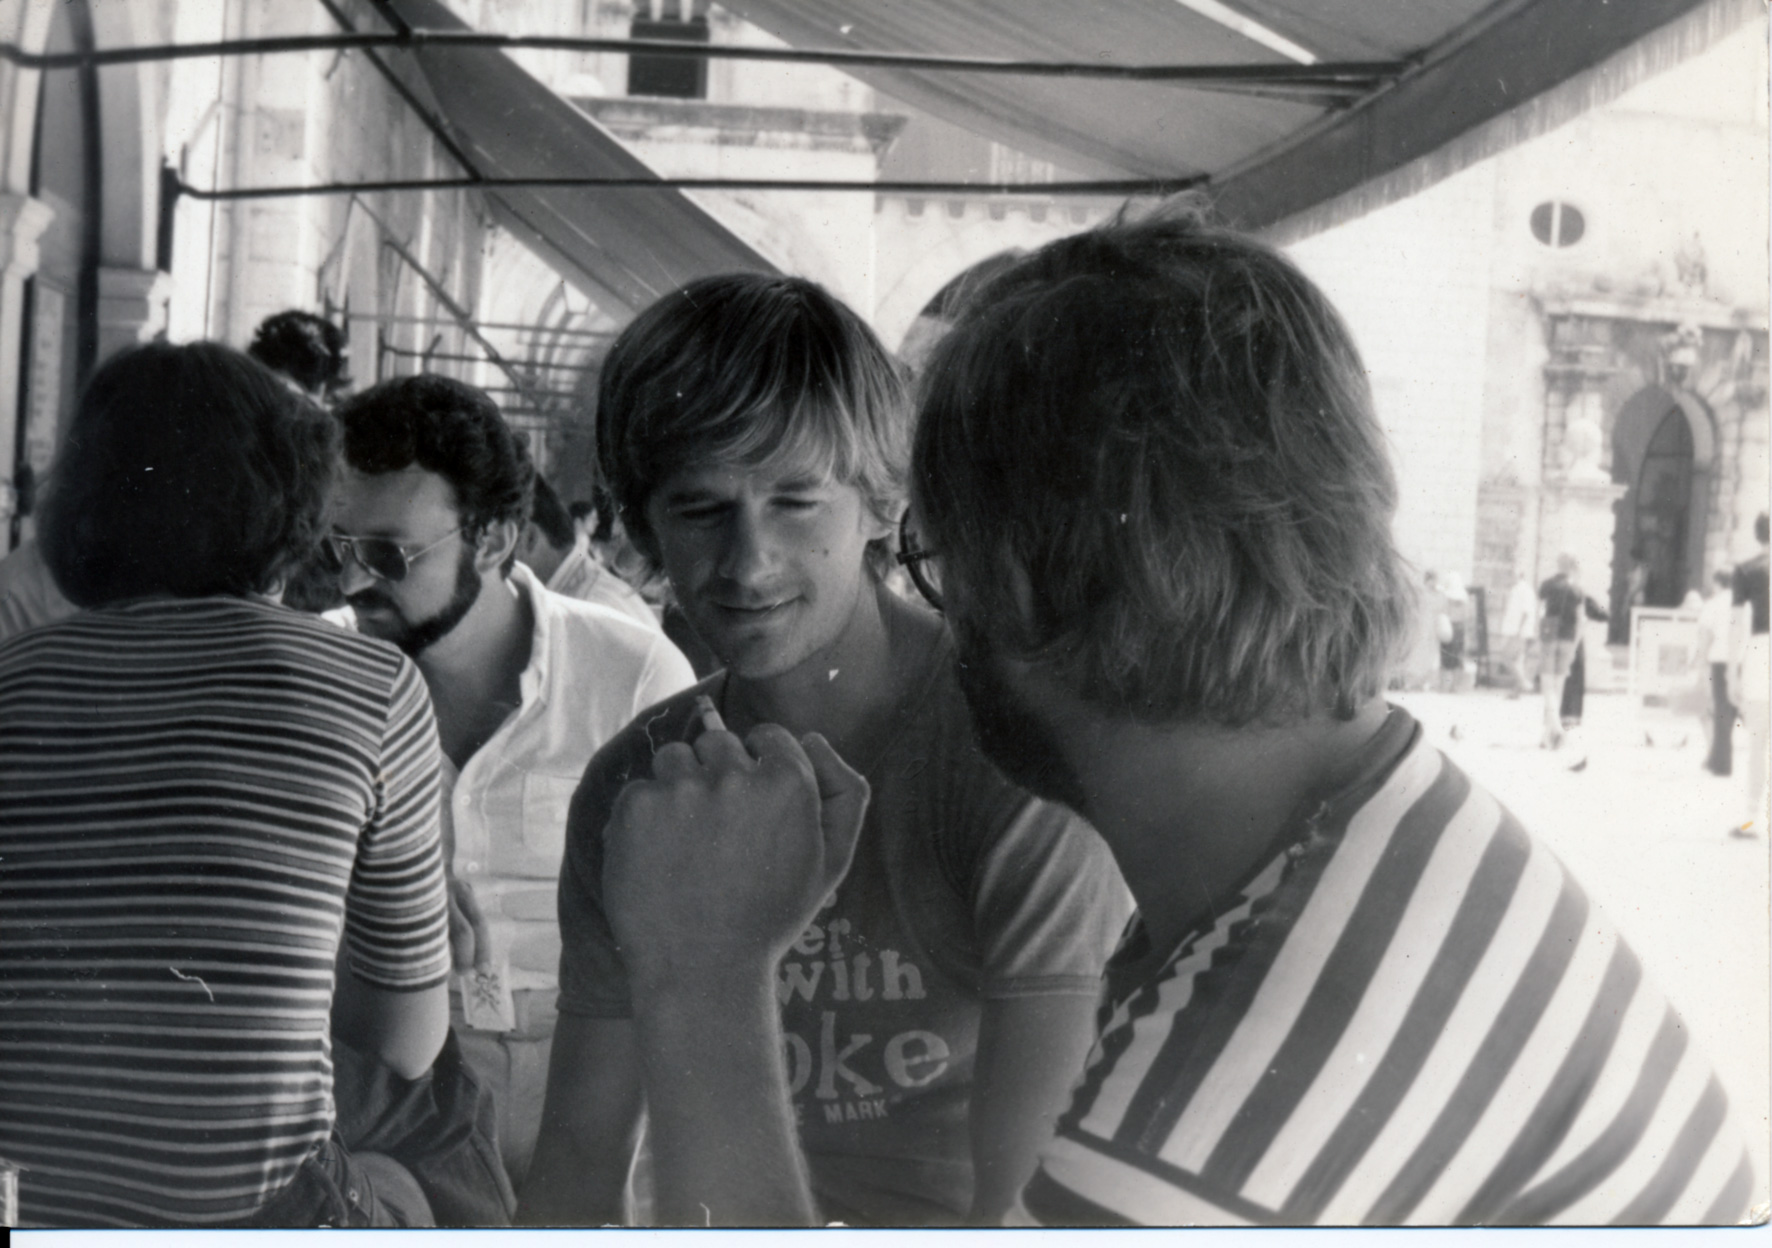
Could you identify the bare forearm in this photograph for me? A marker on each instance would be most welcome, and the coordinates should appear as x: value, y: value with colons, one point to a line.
x: 725, y: 1147
x: 575, y: 1186
x: 589, y: 1127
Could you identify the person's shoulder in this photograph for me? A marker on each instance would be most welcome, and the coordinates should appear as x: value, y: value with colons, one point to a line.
x: 313, y: 642
x: 603, y: 632
x: 629, y: 752
x: 609, y: 590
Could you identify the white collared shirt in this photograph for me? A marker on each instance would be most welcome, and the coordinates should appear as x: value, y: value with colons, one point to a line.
x: 591, y: 671
x: 581, y: 575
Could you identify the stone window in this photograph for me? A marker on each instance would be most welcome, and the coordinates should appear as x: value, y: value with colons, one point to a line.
x: 678, y: 77
x: 1556, y: 224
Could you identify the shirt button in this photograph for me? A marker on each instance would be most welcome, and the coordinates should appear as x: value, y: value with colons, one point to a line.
x: 471, y: 867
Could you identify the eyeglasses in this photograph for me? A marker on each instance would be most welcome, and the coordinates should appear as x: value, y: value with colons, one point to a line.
x: 920, y: 563
x: 381, y: 557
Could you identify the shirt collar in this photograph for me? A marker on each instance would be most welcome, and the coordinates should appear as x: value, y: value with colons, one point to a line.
x: 578, y: 565
x: 543, y: 608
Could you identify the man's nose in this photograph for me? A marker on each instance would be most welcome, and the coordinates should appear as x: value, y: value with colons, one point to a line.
x: 352, y: 577
x: 749, y: 551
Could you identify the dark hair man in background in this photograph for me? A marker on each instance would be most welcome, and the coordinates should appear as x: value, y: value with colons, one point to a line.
x: 1151, y: 481
x: 562, y: 559
x: 309, y: 351
x: 526, y: 685
x: 195, y: 783
x: 754, y: 434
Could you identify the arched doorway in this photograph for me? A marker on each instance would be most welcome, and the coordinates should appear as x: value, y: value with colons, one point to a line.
x: 1662, y: 450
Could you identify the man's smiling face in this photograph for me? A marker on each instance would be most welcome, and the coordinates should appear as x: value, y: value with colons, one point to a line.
x: 768, y: 562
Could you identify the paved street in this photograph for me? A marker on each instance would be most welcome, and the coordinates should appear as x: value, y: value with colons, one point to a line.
x: 1644, y: 827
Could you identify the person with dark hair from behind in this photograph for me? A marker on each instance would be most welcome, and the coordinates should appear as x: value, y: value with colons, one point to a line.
x: 1151, y: 492
x: 561, y: 558
x: 312, y: 357
x: 755, y: 435
x: 307, y: 351
x: 526, y: 685
x: 218, y: 827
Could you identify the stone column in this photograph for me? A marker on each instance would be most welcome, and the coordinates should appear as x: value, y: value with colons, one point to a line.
x: 22, y: 222
x: 131, y: 307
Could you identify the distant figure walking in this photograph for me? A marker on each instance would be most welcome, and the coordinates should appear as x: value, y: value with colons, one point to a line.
x: 1714, y: 621
x: 1559, y: 636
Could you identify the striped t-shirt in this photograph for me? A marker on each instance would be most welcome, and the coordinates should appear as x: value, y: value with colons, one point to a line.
x: 196, y: 798
x: 1413, y: 1015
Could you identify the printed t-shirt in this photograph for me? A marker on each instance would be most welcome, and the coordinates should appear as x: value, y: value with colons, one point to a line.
x: 963, y: 889
x: 1411, y: 1015
x: 199, y: 798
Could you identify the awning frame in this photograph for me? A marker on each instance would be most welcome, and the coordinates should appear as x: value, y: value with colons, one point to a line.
x: 1345, y: 79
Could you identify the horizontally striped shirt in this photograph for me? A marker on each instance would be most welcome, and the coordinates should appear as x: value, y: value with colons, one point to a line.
x: 1414, y: 1015
x: 196, y: 798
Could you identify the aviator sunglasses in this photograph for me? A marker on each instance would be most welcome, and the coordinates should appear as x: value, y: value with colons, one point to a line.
x: 381, y: 557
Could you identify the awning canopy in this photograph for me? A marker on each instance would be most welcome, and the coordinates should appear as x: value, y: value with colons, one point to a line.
x: 1292, y: 114
x: 1264, y: 152
x: 624, y: 249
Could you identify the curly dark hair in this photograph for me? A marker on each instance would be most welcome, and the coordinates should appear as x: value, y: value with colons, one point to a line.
x: 308, y: 349
x: 447, y: 427
x: 187, y: 470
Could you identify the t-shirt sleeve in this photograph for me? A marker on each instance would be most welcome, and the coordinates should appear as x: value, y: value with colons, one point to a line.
x: 593, y: 979
x: 1049, y: 905
x: 667, y: 673
x: 396, y: 911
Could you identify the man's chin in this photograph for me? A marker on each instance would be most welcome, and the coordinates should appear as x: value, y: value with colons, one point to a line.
x: 379, y: 622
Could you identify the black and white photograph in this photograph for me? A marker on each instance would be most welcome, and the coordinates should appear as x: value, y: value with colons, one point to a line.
x: 884, y: 614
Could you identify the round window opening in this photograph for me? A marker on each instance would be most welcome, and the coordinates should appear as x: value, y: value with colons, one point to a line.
x: 1556, y: 224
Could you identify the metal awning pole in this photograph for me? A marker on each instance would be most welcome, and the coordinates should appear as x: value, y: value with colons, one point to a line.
x: 1114, y: 188
x: 1350, y: 78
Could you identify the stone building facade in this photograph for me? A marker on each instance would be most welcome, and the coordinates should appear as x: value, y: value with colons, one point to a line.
x: 1568, y: 344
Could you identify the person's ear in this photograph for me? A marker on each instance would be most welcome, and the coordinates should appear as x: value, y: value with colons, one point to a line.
x: 497, y: 544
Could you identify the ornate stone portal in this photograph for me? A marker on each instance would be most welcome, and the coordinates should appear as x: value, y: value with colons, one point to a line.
x: 1622, y: 373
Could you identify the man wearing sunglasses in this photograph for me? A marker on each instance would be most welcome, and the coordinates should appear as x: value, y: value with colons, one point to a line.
x: 754, y: 434
x: 1358, y: 991
x: 526, y: 685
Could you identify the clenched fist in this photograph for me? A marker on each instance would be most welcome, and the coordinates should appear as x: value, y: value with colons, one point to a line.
x: 721, y: 859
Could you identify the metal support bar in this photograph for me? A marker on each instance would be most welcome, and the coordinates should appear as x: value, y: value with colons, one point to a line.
x: 395, y: 318
x: 1349, y: 77
x: 461, y: 314
x: 1131, y: 186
